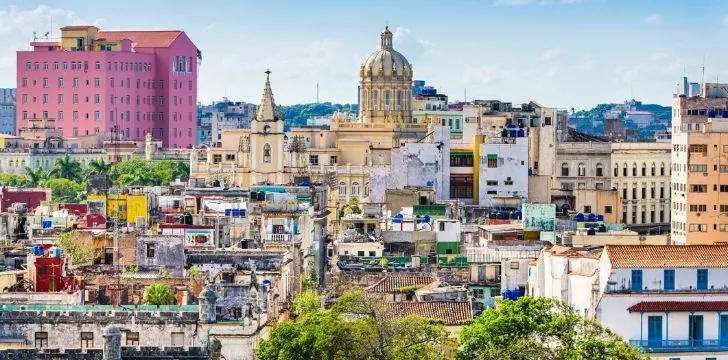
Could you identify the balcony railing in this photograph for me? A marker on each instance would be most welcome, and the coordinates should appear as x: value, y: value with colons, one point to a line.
x: 671, y: 346
x: 278, y: 237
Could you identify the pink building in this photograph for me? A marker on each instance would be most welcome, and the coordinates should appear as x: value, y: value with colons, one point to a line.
x: 95, y: 81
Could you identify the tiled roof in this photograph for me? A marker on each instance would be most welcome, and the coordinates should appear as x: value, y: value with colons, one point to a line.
x: 142, y: 38
x: 78, y: 27
x: 449, y: 312
x: 674, y: 256
x: 660, y: 306
x: 390, y: 284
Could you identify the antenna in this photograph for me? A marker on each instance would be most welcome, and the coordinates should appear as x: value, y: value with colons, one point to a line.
x: 702, y: 80
x: 317, y: 92
x: 466, y: 95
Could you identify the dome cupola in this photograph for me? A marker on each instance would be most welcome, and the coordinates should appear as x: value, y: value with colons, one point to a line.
x: 385, y: 61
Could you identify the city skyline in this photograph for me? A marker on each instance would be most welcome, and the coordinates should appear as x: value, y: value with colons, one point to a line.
x: 562, y: 53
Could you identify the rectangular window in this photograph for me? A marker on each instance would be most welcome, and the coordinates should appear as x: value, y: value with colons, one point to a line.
x: 724, y: 188
x: 75, y: 82
x: 636, y: 280
x: 698, y: 208
x: 150, y: 250
x: 669, y: 279
x: 461, y: 186
x: 698, y: 168
x: 132, y: 338
x: 60, y: 115
x: 75, y: 98
x: 699, y: 188
x: 75, y: 130
x: 216, y: 158
x: 493, y: 161
x: 87, y: 340
x: 97, y: 115
x: 332, y: 160
x: 313, y: 160
x: 178, y: 339
x: 461, y: 160
x: 75, y: 117
x: 695, y: 330
x: 702, y: 279
x: 698, y: 148
x: 41, y: 339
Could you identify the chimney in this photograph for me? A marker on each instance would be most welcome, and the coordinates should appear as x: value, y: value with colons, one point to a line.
x: 112, y: 343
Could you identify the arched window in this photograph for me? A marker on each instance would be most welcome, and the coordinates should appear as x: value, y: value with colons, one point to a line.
x: 624, y: 169
x: 662, y: 169
x: 600, y: 170
x: 266, y: 153
x: 653, y: 169
x: 366, y: 189
x: 644, y: 169
x: 582, y: 169
x: 364, y: 104
x: 616, y: 169
x: 387, y: 100
x: 399, y: 100
x: 355, y: 188
x: 11, y: 163
x: 564, y: 169
x: 375, y: 100
x: 342, y: 189
x: 266, y: 128
x: 23, y: 163
x: 634, y: 169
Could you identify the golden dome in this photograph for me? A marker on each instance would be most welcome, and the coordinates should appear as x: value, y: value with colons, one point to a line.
x: 385, y: 61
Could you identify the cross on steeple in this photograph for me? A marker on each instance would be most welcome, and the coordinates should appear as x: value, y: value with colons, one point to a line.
x: 267, y: 74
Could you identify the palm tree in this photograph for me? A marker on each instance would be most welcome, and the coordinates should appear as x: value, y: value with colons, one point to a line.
x: 36, y: 175
x: 98, y: 167
x: 67, y: 168
x: 181, y: 171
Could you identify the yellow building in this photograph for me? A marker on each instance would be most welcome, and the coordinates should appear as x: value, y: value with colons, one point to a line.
x: 342, y: 155
x: 131, y: 208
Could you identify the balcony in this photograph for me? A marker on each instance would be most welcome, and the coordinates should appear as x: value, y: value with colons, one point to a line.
x: 278, y: 237
x: 679, y: 346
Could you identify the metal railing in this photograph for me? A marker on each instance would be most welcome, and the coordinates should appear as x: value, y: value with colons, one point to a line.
x: 684, y: 345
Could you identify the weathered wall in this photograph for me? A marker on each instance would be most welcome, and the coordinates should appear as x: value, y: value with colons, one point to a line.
x: 168, y: 253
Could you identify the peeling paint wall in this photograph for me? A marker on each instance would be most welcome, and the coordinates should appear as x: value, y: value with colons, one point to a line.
x: 416, y: 164
x: 510, y: 176
x: 168, y: 253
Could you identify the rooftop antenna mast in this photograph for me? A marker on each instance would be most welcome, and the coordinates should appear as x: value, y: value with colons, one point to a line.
x: 702, y: 80
x: 317, y: 92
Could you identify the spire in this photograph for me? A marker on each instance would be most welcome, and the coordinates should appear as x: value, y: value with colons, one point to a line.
x: 386, y: 39
x: 267, y: 110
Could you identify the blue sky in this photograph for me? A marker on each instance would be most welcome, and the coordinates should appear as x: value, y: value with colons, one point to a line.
x: 562, y: 53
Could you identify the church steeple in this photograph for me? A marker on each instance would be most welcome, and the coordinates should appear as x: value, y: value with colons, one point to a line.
x: 386, y: 42
x: 267, y: 111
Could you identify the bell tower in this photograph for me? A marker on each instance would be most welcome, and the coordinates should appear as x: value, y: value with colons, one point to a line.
x: 267, y: 140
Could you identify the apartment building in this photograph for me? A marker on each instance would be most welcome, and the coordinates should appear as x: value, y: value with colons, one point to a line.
x: 699, y: 190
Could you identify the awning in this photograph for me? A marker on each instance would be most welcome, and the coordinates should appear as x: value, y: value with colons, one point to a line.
x: 678, y: 306
x: 492, y: 156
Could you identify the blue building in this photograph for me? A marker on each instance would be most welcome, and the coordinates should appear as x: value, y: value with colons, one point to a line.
x: 7, y: 111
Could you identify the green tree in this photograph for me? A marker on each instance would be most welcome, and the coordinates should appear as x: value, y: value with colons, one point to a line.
x: 67, y: 168
x: 8, y: 179
x: 357, y: 326
x: 35, y: 176
x: 98, y: 167
x: 64, y: 190
x: 139, y: 172
x: 158, y: 294
x: 73, y: 244
x: 540, y: 328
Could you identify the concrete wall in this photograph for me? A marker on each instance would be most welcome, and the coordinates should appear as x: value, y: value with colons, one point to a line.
x: 168, y: 253
x: 510, y: 177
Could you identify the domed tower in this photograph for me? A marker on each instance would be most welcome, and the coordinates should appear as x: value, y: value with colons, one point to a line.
x: 385, y: 84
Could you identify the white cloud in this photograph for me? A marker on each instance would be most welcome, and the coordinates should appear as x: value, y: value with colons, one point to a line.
x: 550, y: 54
x: 39, y: 19
x: 406, y: 42
x: 653, y: 19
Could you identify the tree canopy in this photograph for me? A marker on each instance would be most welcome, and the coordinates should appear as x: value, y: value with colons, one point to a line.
x: 80, y: 251
x: 67, y: 168
x: 356, y: 326
x: 540, y: 328
x: 140, y: 172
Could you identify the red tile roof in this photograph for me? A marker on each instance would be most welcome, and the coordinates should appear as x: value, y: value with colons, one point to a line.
x: 392, y: 283
x: 449, y: 312
x: 142, y: 38
x: 674, y: 256
x: 661, y: 306
x: 78, y: 27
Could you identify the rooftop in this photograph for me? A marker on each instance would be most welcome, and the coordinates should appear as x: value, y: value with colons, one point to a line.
x: 391, y: 284
x: 147, y: 39
x: 674, y: 256
x: 449, y: 312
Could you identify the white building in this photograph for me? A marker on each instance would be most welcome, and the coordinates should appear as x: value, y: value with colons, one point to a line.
x: 503, y: 168
x: 641, y: 175
x: 672, y: 301
x: 567, y: 274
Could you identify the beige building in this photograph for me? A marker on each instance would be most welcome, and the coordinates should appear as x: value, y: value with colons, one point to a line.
x: 641, y: 176
x: 342, y: 155
x: 699, y: 159
x: 604, y: 202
